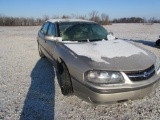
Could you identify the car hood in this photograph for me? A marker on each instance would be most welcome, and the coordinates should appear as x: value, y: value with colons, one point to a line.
x: 115, y: 55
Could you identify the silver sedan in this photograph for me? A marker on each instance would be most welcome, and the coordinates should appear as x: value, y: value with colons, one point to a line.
x: 94, y: 65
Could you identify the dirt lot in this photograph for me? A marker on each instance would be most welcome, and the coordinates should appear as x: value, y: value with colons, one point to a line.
x: 29, y: 88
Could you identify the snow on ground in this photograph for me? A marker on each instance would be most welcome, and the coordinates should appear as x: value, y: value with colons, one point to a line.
x: 29, y: 88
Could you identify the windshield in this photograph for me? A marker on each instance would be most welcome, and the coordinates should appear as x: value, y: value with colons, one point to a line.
x: 80, y: 31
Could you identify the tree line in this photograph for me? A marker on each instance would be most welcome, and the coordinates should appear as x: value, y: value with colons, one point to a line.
x: 22, y: 21
x: 136, y: 20
x: 102, y: 18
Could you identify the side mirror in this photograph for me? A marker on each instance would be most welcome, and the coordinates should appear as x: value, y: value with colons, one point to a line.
x: 48, y: 37
x: 110, y: 36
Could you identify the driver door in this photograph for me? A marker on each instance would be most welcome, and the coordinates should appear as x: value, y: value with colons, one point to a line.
x: 51, y: 43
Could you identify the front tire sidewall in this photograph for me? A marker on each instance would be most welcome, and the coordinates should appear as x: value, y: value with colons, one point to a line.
x: 158, y: 43
x: 65, y: 80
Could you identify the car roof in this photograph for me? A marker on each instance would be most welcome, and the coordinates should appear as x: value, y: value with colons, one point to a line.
x: 67, y: 20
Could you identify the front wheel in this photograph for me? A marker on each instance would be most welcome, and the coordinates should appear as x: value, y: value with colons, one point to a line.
x: 64, y: 79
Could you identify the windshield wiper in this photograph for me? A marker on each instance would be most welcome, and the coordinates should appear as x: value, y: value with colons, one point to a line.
x: 76, y: 40
x: 86, y: 40
x: 93, y: 40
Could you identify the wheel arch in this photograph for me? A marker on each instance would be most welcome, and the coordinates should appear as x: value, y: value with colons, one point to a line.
x: 59, y: 61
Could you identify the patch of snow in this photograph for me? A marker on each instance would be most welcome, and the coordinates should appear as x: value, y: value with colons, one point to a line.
x: 109, y: 49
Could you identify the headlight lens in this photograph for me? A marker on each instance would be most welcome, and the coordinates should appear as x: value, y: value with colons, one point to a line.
x: 157, y: 64
x: 103, y: 77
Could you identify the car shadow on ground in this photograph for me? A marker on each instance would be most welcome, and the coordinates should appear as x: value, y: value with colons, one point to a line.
x: 145, y: 42
x: 40, y: 100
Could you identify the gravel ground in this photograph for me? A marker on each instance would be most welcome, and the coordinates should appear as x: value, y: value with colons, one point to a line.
x: 29, y: 88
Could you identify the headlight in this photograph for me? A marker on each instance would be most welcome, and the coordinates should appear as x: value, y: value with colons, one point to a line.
x: 103, y: 77
x: 157, y: 64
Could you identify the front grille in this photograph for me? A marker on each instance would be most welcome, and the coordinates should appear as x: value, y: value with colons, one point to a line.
x: 141, y: 75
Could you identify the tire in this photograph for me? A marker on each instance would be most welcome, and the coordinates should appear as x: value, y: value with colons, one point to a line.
x: 64, y: 80
x: 158, y: 43
x: 41, y: 54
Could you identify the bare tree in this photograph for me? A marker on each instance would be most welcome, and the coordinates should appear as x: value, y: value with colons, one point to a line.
x: 66, y: 17
x: 45, y: 18
x: 152, y: 20
x: 1, y: 21
x: 55, y: 17
x: 74, y: 16
x: 94, y: 16
x: 83, y: 17
x: 39, y: 21
x: 104, y: 19
x: 21, y: 21
x: 4, y: 20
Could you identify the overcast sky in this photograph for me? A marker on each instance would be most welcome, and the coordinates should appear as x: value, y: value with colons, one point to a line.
x: 114, y: 8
